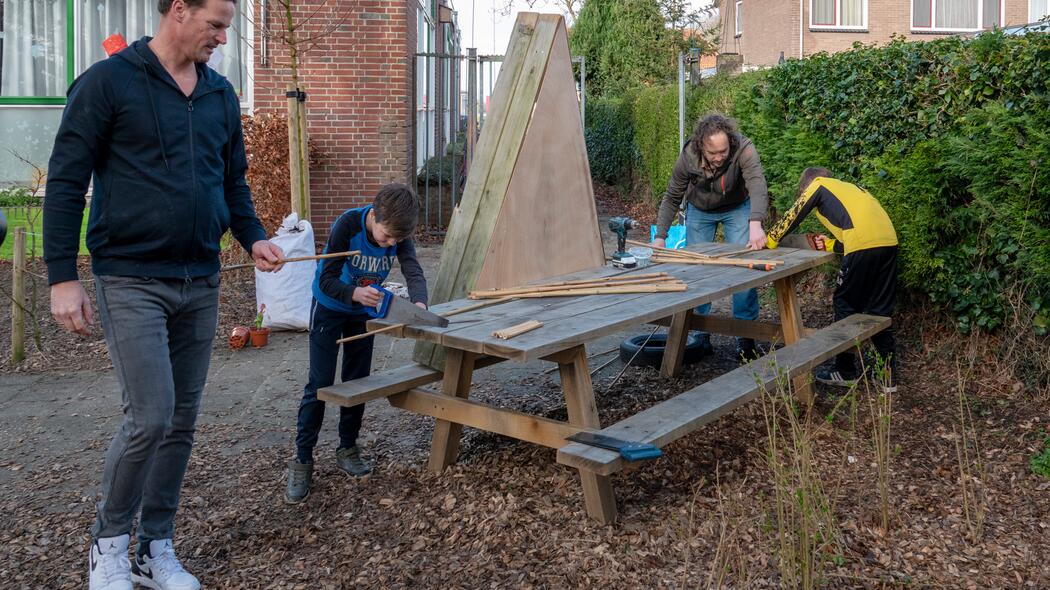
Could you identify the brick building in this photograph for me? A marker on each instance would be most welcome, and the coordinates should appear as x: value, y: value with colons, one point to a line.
x: 366, y: 93
x: 761, y: 31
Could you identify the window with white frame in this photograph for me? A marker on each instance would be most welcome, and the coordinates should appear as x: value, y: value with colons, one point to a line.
x: 739, y: 18
x: 1038, y: 10
x: 956, y: 15
x: 426, y: 83
x: 44, y: 44
x: 838, y: 14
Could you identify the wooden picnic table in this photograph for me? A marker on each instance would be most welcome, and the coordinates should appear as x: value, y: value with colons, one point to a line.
x: 571, y: 322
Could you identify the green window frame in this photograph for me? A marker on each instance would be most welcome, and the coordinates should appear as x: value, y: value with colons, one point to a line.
x: 51, y: 100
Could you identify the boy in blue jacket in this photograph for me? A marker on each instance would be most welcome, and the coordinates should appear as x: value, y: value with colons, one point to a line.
x: 342, y: 290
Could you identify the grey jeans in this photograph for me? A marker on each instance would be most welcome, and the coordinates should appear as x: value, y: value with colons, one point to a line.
x: 159, y: 333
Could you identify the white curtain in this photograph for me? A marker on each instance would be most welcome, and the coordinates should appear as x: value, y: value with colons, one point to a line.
x: 1037, y: 10
x: 956, y: 14
x: 135, y: 19
x: 101, y: 18
x: 823, y: 12
x: 34, y: 61
x: 852, y: 13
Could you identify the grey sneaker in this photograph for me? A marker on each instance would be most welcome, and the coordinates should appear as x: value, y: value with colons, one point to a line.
x: 350, y: 462
x: 299, y: 478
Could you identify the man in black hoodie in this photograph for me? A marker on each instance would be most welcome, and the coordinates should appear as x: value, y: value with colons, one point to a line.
x: 159, y: 133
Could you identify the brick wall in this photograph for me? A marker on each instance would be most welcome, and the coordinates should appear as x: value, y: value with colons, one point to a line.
x: 358, y: 81
x: 771, y: 26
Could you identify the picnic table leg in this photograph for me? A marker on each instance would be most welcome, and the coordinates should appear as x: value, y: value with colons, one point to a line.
x: 598, y: 496
x: 791, y: 324
x: 444, y: 447
x: 674, y: 350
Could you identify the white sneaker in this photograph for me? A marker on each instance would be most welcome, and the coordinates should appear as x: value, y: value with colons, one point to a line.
x: 160, y: 569
x: 108, y: 564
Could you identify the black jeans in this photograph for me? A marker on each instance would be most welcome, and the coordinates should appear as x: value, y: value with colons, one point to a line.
x: 327, y: 326
x: 867, y: 283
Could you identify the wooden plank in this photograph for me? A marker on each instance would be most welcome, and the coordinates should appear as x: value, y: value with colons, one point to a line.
x: 791, y: 324
x: 587, y: 318
x: 387, y: 383
x: 598, y: 497
x: 680, y: 415
x: 444, y: 447
x: 674, y: 349
x: 548, y: 224
x: 470, y: 229
x: 533, y: 429
x: 759, y: 330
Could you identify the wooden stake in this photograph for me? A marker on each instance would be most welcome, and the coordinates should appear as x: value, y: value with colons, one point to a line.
x: 295, y: 259
x: 367, y: 334
x: 745, y: 262
x: 542, y: 288
x: 18, y: 298
x: 660, y: 288
x: 613, y: 279
x: 508, y: 333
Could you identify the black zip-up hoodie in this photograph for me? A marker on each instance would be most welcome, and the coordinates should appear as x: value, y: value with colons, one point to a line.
x: 168, y: 172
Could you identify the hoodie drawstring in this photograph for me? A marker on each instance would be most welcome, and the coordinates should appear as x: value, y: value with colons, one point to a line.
x: 156, y: 118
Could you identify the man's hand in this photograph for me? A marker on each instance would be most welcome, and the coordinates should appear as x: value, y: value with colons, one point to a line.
x: 71, y: 307
x: 367, y: 296
x: 660, y: 243
x: 265, y: 254
x: 757, y: 239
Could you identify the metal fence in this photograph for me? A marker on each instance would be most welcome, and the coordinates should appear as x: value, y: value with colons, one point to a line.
x: 453, y: 95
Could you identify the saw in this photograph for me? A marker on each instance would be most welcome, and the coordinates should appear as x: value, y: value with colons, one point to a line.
x: 396, y: 309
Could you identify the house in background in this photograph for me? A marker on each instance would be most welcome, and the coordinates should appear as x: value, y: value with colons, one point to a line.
x: 760, y: 32
x: 366, y: 94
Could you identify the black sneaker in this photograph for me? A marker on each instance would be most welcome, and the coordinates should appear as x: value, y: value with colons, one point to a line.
x: 836, y: 378
x: 747, y: 350
x: 349, y: 461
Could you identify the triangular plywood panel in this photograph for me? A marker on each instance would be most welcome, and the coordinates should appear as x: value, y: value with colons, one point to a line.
x: 528, y: 208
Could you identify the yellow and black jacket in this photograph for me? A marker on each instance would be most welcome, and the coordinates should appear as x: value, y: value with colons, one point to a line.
x: 851, y: 214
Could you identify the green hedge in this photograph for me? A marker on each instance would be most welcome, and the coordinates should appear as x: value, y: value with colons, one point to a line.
x: 951, y: 135
x: 609, y: 133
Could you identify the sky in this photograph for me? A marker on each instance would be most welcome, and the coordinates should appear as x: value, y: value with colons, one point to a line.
x: 489, y: 32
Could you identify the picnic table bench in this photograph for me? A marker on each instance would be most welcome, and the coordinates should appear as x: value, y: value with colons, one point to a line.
x: 569, y: 323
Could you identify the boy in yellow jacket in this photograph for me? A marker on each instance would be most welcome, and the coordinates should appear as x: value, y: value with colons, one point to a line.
x: 867, y: 280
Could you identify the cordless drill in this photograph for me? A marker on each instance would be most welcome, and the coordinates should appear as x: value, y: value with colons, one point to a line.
x: 619, y: 226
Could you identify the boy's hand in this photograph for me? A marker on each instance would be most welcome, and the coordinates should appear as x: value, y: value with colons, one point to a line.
x: 366, y: 296
x: 659, y: 243
x: 820, y: 242
x: 421, y: 305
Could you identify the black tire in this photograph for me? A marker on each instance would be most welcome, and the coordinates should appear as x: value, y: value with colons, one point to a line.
x: 653, y: 353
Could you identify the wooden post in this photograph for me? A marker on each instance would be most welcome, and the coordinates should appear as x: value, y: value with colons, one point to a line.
x: 791, y: 324
x: 598, y: 496
x: 298, y: 153
x: 674, y: 349
x: 459, y: 370
x: 18, y: 298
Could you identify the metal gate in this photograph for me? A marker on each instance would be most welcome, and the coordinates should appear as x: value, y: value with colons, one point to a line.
x: 452, y: 93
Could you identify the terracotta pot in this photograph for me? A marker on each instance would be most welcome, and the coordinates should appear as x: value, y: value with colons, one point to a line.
x: 238, y: 337
x: 260, y: 337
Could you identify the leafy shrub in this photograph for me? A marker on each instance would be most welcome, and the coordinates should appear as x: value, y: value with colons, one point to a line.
x: 444, y: 168
x: 18, y: 196
x: 266, y: 146
x: 610, y: 141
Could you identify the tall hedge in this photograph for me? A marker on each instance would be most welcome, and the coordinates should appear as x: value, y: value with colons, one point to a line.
x: 951, y: 135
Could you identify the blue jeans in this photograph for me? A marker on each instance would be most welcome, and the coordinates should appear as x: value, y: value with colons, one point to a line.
x: 326, y: 327
x: 159, y: 333
x: 700, y: 226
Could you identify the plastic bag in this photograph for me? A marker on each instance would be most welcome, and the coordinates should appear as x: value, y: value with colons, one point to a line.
x: 675, y: 236
x: 287, y: 292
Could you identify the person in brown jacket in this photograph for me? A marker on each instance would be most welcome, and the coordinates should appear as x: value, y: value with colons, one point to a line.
x: 720, y: 176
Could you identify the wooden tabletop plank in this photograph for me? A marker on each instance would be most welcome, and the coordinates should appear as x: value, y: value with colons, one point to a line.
x: 588, y: 318
x: 569, y: 321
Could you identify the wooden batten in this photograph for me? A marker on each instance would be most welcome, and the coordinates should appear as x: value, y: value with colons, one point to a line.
x: 528, y: 209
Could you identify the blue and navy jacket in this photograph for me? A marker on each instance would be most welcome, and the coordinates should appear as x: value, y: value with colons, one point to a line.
x: 337, y: 278
x: 169, y: 172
